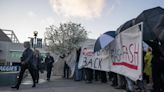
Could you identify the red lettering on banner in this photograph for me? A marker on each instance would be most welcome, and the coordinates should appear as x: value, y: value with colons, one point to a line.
x: 135, y: 67
x: 131, y: 53
x: 129, y: 56
x: 136, y: 52
x: 87, y: 52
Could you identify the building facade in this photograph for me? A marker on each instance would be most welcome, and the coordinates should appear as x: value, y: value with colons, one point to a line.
x: 11, y: 50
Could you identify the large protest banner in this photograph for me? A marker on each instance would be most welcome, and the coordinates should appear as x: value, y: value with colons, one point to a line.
x: 89, y: 59
x: 122, y: 56
x: 126, y: 54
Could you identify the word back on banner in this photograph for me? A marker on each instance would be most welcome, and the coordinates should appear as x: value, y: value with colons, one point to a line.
x: 89, y: 59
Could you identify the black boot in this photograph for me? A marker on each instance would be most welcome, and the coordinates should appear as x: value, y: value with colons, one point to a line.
x: 15, y: 87
x: 33, y: 85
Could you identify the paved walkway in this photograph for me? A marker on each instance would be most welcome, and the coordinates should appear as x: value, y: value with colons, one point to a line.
x: 58, y: 84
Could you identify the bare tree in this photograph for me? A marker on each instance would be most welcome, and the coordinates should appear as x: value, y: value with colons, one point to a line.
x: 64, y: 38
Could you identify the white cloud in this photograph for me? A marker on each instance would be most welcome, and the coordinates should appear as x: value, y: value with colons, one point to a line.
x: 47, y: 21
x: 114, y: 5
x: 31, y: 14
x: 50, y: 20
x: 78, y: 8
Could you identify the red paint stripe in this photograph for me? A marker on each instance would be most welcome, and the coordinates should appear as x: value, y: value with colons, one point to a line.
x: 126, y: 64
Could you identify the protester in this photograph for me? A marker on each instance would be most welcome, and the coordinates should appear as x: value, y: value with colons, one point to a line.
x: 66, y: 70
x: 78, y: 72
x: 49, y: 60
x: 157, y: 65
x: 83, y: 72
x: 66, y: 67
x: 147, y: 68
x: 121, y: 81
x: 114, y: 79
x: 103, y: 77
x: 97, y: 75
x: 110, y: 76
x: 37, y: 60
x: 89, y: 75
x: 26, y: 63
x: 130, y: 85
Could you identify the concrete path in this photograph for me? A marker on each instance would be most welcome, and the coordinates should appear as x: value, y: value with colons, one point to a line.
x: 58, y: 84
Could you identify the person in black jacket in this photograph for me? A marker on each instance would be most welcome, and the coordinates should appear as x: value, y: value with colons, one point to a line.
x: 37, y: 60
x: 49, y: 60
x: 26, y: 63
x: 157, y: 65
x: 66, y: 70
x: 66, y: 67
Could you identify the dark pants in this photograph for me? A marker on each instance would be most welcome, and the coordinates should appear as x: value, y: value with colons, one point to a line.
x: 78, y: 73
x: 37, y: 75
x: 157, y: 71
x: 146, y: 78
x: 97, y: 75
x: 110, y: 76
x: 23, y: 68
x: 103, y: 77
x: 89, y: 74
x: 66, y: 71
x: 83, y: 71
x: 49, y: 69
x: 114, y: 79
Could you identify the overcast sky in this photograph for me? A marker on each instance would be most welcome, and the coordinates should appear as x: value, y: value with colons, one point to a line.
x: 97, y: 16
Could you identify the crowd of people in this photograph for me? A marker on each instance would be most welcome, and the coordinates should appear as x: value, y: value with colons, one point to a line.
x: 153, y: 70
x: 31, y: 60
x: 152, y: 73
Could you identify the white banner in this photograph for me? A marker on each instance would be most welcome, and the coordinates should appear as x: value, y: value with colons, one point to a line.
x: 123, y: 55
x: 126, y: 54
x: 89, y: 59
